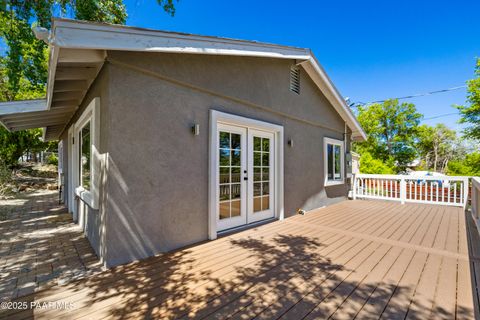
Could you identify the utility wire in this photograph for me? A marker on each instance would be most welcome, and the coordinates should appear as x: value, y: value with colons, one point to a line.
x: 357, y: 104
x: 441, y: 116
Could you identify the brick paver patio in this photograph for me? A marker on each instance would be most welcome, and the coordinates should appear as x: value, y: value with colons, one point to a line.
x: 40, y: 246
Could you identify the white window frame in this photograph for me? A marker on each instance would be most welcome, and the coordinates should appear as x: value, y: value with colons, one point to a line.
x: 92, y: 114
x: 217, y: 117
x: 334, y: 142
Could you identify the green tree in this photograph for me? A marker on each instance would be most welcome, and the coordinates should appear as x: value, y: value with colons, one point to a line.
x: 470, y: 113
x: 374, y: 166
x: 23, y: 69
x: 466, y: 166
x: 391, y: 128
x: 436, y: 146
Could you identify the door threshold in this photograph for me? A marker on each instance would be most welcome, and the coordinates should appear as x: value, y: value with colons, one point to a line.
x: 230, y: 231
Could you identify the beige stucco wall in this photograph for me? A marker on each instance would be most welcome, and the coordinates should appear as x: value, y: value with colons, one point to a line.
x: 158, y: 171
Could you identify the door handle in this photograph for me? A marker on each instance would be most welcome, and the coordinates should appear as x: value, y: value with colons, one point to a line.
x: 245, y: 178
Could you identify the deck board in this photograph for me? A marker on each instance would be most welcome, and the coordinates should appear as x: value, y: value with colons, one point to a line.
x: 355, y: 259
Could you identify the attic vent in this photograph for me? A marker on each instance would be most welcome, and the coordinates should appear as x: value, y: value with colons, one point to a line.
x: 295, y: 79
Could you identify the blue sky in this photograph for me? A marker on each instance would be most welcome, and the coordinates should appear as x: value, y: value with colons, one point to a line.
x: 372, y: 50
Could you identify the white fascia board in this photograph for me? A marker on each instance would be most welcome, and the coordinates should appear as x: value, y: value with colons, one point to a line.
x: 81, y: 35
x: 22, y: 106
x: 336, y: 99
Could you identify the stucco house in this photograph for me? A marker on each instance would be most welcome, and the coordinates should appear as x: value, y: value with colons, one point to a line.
x: 169, y: 139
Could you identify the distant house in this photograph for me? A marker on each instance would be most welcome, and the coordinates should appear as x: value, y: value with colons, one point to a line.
x: 169, y: 139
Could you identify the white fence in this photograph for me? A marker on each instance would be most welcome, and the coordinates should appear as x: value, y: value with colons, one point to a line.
x: 476, y: 197
x: 428, y: 189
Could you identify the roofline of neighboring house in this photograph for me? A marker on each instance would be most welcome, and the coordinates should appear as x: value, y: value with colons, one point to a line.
x: 68, y: 36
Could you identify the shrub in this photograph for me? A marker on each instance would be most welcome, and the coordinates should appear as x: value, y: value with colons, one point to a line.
x: 374, y: 166
x: 52, y: 159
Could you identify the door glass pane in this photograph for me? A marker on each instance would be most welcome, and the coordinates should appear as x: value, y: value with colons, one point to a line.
x: 257, y: 144
x: 225, y: 210
x: 224, y: 192
x: 224, y: 175
x: 224, y: 140
x: 236, y: 174
x: 257, y: 158
x: 224, y: 157
x: 261, y: 171
x: 235, y: 191
x: 236, y: 205
x: 236, y: 158
x: 229, y: 174
x: 257, y: 174
x: 235, y: 138
x: 265, y: 202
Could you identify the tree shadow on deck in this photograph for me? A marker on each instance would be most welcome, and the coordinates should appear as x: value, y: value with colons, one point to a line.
x: 240, y: 278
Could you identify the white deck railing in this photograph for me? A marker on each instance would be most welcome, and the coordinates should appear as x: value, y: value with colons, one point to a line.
x: 428, y: 189
x: 476, y: 197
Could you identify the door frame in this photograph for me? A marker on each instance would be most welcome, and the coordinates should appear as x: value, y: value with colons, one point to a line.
x: 217, y: 117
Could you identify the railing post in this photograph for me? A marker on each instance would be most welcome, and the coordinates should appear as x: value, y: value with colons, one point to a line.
x: 403, y: 190
x: 465, y: 192
x: 354, y: 191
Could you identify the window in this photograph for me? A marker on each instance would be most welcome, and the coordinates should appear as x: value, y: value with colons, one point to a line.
x: 85, y: 156
x: 334, y: 159
x: 87, y: 159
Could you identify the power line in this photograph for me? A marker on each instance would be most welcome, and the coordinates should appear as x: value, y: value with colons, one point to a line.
x: 441, y: 116
x: 357, y: 104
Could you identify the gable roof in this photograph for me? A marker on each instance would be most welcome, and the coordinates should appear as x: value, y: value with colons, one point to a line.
x: 78, y: 51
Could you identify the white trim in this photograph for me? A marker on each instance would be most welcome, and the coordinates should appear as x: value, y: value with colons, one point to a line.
x: 22, y: 106
x: 71, y: 165
x: 341, y: 144
x: 92, y: 114
x: 217, y: 117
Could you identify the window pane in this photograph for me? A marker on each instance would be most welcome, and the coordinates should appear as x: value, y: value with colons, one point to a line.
x: 338, y: 167
x: 330, y: 161
x: 224, y: 140
x: 85, y: 157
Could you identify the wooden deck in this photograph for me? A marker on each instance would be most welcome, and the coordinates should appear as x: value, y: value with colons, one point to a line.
x: 355, y: 259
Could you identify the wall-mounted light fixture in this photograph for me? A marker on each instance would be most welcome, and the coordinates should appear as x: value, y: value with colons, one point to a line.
x: 196, y: 129
x: 290, y: 143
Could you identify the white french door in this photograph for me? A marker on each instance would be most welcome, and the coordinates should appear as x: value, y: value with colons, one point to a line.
x: 245, y: 181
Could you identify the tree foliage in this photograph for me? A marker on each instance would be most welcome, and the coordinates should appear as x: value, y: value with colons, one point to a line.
x: 466, y: 166
x: 436, y: 146
x: 369, y: 164
x: 391, y: 128
x: 23, y: 69
x: 470, y: 113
